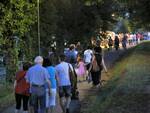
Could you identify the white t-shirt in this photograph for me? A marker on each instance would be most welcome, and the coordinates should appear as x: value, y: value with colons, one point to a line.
x: 62, y: 70
x: 88, y: 55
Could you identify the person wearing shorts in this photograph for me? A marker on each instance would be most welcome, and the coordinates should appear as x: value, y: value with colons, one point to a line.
x: 50, y: 98
x: 64, y: 91
x: 88, y: 54
x: 64, y: 83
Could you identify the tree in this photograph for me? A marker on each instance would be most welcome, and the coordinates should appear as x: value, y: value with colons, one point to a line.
x: 16, y: 18
x: 73, y: 21
x: 139, y: 12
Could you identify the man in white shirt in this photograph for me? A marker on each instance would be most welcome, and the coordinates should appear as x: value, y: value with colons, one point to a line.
x: 88, y: 57
x: 64, y: 83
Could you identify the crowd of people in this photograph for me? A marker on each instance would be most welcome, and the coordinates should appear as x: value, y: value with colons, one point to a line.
x: 124, y: 40
x: 116, y: 42
x: 37, y: 85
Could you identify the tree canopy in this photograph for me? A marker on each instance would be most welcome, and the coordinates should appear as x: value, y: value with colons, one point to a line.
x: 16, y: 19
x: 139, y: 12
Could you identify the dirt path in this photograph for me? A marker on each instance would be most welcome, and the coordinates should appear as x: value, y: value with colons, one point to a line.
x: 85, y: 89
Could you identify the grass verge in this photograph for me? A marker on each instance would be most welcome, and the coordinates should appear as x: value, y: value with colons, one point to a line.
x: 6, y: 95
x: 128, y: 88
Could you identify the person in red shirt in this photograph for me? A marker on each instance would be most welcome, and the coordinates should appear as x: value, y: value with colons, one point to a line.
x: 22, y: 89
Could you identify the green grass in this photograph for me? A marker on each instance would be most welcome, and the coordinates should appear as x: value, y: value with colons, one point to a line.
x: 127, y: 90
x: 6, y: 95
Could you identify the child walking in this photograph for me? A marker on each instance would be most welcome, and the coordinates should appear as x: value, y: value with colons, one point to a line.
x: 80, y: 69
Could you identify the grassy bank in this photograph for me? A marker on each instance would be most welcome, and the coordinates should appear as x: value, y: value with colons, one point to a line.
x: 6, y: 95
x: 128, y: 88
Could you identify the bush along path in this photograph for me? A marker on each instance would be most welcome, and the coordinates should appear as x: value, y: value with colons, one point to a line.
x: 85, y: 88
x: 128, y: 87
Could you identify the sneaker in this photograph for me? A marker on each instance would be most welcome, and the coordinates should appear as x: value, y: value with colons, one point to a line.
x: 67, y: 110
x: 98, y: 86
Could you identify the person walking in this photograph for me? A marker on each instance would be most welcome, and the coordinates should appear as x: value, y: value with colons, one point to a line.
x: 80, y: 68
x: 124, y: 42
x: 71, y: 55
x: 50, y: 99
x: 38, y: 76
x: 22, y: 89
x: 64, y: 83
x: 97, y: 66
x: 116, y: 43
x: 88, y: 54
x: 110, y: 43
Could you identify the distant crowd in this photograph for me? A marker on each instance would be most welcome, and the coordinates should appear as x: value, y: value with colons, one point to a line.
x: 123, y: 41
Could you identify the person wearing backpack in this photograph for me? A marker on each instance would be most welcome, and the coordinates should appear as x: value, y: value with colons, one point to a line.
x: 97, y: 66
x: 22, y: 89
x: 64, y: 78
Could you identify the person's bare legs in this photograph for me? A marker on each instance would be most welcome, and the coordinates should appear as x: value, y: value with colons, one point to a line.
x: 47, y: 110
x: 62, y: 99
x: 84, y: 77
x: 31, y: 109
x: 52, y: 108
x: 17, y: 110
x: 68, y: 100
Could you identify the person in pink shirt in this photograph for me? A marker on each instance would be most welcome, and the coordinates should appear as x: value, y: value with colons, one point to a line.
x: 80, y: 69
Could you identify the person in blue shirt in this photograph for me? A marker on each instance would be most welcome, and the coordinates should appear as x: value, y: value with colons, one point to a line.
x: 50, y: 99
x: 71, y: 55
x: 37, y: 76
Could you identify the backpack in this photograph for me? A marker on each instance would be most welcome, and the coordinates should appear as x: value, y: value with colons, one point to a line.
x: 73, y: 80
x: 72, y: 60
x: 22, y: 86
x: 95, y: 66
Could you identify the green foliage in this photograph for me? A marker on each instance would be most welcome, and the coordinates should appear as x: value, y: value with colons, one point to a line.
x: 73, y: 21
x: 6, y: 95
x: 68, y: 20
x: 124, y: 27
x: 139, y: 12
x: 12, y: 64
x: 16, y: 19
